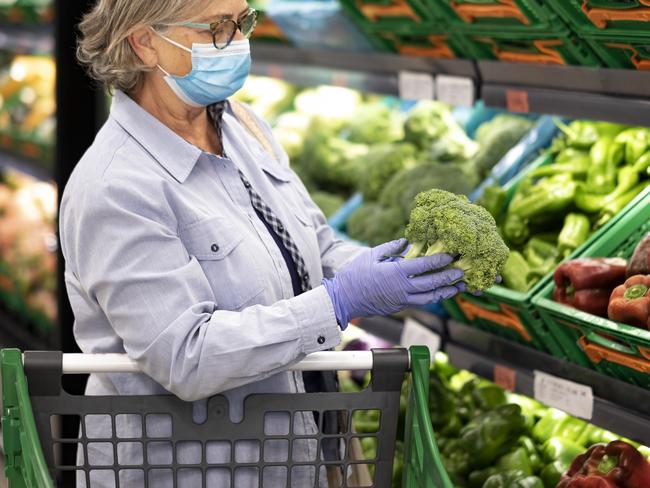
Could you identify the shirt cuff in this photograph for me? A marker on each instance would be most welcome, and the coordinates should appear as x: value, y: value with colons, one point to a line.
x: 317, y: 321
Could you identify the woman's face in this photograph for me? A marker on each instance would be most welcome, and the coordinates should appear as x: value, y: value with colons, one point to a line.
x: 179, y: 62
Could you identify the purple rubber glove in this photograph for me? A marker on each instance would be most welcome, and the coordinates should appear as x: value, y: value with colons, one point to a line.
x: 373, y: 284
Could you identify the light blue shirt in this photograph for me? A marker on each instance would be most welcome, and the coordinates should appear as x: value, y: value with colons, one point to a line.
x: 167, y: 261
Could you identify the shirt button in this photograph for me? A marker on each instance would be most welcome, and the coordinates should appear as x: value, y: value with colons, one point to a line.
x: 305, y: 277
x: 215, y: 248
x: 321, y: 340
x: 281, y: 228
x: 247, y: 184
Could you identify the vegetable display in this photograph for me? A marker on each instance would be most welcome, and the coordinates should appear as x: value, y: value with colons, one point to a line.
x: 598, y: 169
x: 436, y: 153
x: 490, y: 438
x: 442, y: 222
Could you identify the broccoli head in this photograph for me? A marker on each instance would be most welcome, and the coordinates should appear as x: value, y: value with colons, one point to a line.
x: 381, y: 164
x: 374, y: 224
x: 442, y: 222
x: 374, y: 123
x: 332, y: 163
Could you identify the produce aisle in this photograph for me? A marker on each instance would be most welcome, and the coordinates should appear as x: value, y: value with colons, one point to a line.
x: 538, y: 112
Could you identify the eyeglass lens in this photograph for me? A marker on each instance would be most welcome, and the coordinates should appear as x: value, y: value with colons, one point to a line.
x: 225, y: 31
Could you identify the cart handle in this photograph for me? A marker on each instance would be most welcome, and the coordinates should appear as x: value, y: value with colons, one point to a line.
x: 121, y: 363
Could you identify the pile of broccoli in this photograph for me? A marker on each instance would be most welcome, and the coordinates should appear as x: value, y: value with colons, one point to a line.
x: 442, y: 222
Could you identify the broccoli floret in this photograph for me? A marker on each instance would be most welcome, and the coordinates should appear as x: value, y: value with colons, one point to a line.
x: 432, y: 128
x: 332, y: 163
x: 402, y: 188
x: 374, y: 224
x: 442, y: 222
x: 374, y: 123
x: 381, y: 164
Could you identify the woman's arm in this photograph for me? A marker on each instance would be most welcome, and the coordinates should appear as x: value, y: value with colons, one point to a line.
x: 124, y: 249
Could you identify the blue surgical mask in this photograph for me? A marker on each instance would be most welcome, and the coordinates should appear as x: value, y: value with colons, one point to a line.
x: 216, y: 74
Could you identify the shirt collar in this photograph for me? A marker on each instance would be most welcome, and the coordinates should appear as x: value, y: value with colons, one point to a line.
x: 171, y: 151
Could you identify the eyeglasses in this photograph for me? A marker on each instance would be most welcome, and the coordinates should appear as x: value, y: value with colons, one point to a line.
x: 224, y: 30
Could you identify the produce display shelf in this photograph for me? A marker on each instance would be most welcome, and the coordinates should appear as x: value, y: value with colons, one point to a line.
x: 369, y: 72
x: 604, y: 94
x: 12, y: 334
x: 32, y: 167
x: 597, y: 93
x: 27, y: 39
x: 618, y: 406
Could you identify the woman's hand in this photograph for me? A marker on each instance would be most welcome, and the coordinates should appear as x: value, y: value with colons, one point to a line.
x: 373, y: 284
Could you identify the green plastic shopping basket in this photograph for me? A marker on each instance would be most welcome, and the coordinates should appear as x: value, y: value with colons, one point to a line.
x: 35, y: 451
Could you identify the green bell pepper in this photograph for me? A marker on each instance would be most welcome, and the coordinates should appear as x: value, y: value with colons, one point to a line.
x: 606, y: 156
x: 513, y: 479
x: 577, y: 166
x: 582, y: 134
x: 478, y: 478
x: 493, y: 200
x: 563, y: 450
x: 618, y: 204
x: 534, y: 457
x: 516, y: 229
x: 516, y: 460
x: 549, y: 196
x: 544, y: 429
x: 636, y: 140
x: 628, y: 178
x: 492, y: 434
x: 552, y: 473
x: 515, y: 271
x: 456, y: 459
x: 574, y: 233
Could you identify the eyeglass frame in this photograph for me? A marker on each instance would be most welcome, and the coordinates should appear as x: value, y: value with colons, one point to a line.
x: 214, y: 25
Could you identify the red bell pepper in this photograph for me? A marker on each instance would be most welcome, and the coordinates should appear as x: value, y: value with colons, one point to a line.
x: 615, y: 465
x: 586, y: 284
x: 630, y: 302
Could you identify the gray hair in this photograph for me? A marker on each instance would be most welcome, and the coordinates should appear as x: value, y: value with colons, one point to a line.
x: 103, y: 46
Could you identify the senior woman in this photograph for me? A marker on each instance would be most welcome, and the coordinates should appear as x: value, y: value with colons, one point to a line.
x: 191, y: 246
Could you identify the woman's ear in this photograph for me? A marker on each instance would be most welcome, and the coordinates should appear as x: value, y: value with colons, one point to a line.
x: 144, y: 45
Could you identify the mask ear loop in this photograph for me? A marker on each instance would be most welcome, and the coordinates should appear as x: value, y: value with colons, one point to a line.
x: 172, y: 42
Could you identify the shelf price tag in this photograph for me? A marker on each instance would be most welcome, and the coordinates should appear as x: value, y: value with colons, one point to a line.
x: 505, y: 377
x: 416, y: 86
x: 416, y: 334
x: 458, y: 91
x: 517, y: 101
x: 572, y: 398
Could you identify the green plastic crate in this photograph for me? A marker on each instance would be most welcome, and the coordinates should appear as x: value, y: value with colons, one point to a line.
x: 426, y: 41
x: 559, y: 49
x: 622, y: 52
x: 615, y: 349
x: 510, y: 15
x: 390, y: 15
x: 26, y: 466
x: 512, y: 314
x: 612, y: 17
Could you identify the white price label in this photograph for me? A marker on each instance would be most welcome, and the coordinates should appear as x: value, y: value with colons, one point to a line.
x: 416, y: 334
x: 572, y: 398
x: 416, y: 86
x: 458, y: 91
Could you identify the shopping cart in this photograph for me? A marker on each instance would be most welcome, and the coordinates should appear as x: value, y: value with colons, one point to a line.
x: 33, y: 400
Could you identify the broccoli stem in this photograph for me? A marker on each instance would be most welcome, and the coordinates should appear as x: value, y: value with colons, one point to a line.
x: 415, y: 251
x: 436, y: 248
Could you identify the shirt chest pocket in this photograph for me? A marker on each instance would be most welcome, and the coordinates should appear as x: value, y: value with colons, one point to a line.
x: 228, y: 260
